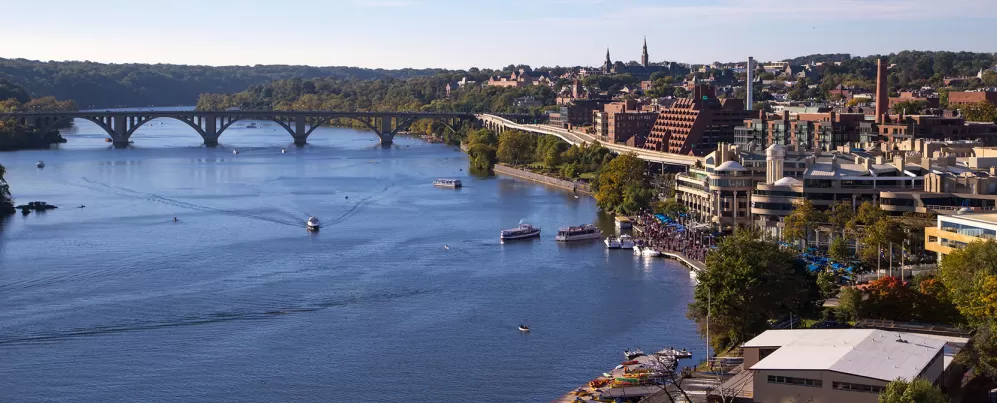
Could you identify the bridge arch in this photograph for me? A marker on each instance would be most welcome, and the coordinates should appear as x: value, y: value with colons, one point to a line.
x: 142, y: 120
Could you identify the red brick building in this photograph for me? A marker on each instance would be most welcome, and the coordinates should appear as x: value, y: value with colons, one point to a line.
x: 896, y: 128
x: 624, y: 123
x: 696, y: 125
x: 958, y: 98
x: 930, y: 102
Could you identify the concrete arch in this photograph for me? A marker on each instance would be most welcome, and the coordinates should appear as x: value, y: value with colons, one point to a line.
x: 142, y: 120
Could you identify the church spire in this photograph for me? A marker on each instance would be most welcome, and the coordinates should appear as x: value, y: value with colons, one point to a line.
x: 643, y: 56
x: 609, y: 63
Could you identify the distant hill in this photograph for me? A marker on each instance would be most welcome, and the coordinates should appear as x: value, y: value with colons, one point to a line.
x: 104, y: 85
x: 819, y: 58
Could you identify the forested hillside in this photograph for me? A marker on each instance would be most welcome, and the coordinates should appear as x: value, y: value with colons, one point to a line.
x: 105, y: 85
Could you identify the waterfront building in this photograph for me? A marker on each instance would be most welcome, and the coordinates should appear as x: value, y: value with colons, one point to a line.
x: 819, y: 129
x: 957, y: 175
x: 623, y: 122
x: 835, y: 365
x: 893, y: 129
x: 718, y: 190
x: 694, y: 126
x: 958, y: 230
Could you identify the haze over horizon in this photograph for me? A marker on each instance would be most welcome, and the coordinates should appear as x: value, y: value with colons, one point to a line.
x: 448, y: 34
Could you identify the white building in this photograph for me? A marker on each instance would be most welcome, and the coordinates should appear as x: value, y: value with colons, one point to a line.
x: 837, y: 365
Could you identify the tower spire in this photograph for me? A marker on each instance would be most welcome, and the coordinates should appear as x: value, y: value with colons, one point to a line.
x: 643, y: 56
x: 609, y: 62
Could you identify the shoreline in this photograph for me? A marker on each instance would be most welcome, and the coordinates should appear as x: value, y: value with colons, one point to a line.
x: 575, y: 187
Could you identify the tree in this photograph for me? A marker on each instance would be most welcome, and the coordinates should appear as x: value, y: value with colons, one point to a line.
x: 6, y: 202
x: 828, y: 284
x: 982, y: 111
x: 909, y: 107
x: 747, y: 282
x: 481, y: 150
x: 989, y: 78
x: 919, y: 390
x: 838, y: 250
x: 970, y: 275
x: 671, y: 208
x: 680, y: 92
x: 888, y: 298
x: 800, y: 223
x: 622, y: 185
x: 849, y: 303
x: 515, y: 147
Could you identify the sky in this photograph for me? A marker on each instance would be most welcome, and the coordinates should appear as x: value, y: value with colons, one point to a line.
x: 485, y: 34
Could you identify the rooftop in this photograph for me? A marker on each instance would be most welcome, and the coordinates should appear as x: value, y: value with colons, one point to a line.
x: 988, y: 218
x: 869, y: 353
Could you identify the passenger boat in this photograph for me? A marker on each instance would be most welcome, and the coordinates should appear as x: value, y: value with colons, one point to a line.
x: 40, y: 164
x: 579, y: 233
x: 523, y: 231
x: 313, y: 224
x: 612, y: 243
x: 626, y: 242
x: 448, y: 183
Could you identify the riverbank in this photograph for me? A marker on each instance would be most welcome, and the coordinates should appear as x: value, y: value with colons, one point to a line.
x: 543, y: 179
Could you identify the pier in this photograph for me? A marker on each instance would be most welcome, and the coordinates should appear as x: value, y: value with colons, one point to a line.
x: 642, y: 377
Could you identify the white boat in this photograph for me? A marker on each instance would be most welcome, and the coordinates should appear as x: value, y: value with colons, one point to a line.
x: 637, y: 250
x: 523, y: 231
x: 40, y: 164
x: 626, y: 242
x: 282, y: 151
x: 612, y: 243
x: 313, y: 224
x: 579, y: 233
x: 646, y: 251
x: 447, y: 183
x: 235, y: 151
x: 524, y: 328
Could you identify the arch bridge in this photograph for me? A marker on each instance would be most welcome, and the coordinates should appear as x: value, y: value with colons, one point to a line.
x: 120, y: 125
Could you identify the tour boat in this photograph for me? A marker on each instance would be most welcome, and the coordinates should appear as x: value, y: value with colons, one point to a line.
x: 523, y: 231
x: 447, y: 183
x: 578, y: 233
x: 612, y: 243
x: 524, y: 328
x: 313, y: 224
x: 626, y: 242
x: 40, y: 164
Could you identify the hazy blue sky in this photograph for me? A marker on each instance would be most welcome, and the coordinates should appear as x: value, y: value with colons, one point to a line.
x: 462, y: 34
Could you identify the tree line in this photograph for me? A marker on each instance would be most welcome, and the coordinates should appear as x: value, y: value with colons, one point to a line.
x: 15, y: 136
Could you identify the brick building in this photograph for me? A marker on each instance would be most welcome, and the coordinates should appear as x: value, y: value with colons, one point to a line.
x: 624, y: 123
x: 958, y: 98
x: 931, y: 101
x: 820, y: 131
x: 897, y: 128
x: 696, y: 125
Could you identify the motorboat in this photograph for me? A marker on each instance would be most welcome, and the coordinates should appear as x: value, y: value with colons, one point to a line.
x: 521, y: 232
x: 283, y: 151
x: 648, y: 252
x: 630, y: 355
x: 235, y: 151
x: 108, y: 140
x: 313, y: 224
x: 626, y: 242
x: 251, y: 126
x: 448, y: 183
x: 637, y: 250
x: 612, y: 243
x: 524, y: 328
x: 578, y: 233
x: 40, y: 164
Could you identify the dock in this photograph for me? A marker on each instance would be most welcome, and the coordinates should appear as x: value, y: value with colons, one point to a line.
x: 634, y: 379
x: 694, y: 265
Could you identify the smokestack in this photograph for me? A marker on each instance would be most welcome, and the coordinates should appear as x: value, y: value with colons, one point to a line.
x: 748, y: 84
x: 882, y: 96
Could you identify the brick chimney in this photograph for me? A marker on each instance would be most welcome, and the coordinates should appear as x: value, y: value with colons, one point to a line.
x: 882, y: 95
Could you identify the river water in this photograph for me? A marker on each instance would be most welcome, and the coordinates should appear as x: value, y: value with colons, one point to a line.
x: 236, y: 301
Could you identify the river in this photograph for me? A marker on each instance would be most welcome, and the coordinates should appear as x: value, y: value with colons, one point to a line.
x: 116, y: 302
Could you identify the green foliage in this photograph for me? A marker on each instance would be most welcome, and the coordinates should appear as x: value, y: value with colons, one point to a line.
x: 800, y: 223
x: 14, y: 136
x: 970, y: 273
x: 481, y: 150
x: 839, y: 251
x: 106, y: 85
x: 982, y: 111
x: 909, y: 107
x: 516, y: 147
x: 849, y: 303
x: 827, y: 282
x: 9, y: 90
x: 623, y: 186
x: 747, y: 282
x: 926, y: 300
x: 6, y: 201
x: 671, y: 208
x: 919, y: 390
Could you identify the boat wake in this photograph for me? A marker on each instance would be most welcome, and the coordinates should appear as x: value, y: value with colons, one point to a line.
x: 206, y: 319
x: 122, y: 191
